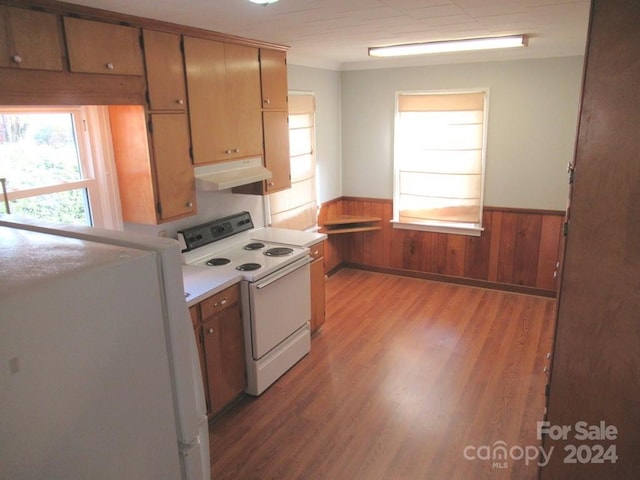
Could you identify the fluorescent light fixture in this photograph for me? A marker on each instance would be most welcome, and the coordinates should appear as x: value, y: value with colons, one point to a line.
x: 263, y: 2
x: 464, y: 45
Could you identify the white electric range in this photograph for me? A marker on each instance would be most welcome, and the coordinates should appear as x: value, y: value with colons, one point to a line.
x: 275, y: 292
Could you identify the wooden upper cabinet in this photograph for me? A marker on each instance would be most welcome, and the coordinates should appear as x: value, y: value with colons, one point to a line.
x: 276, y: 150
x: 165, y: 71
x: 173, y: 169
x: 97, y: 47
x: 223, y: 83
x: 273, y: 74
x: 29, y: 39
x: 155, y: 175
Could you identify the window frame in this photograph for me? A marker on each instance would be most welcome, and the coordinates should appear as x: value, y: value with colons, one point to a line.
x: 448, y: 227
x: 96, y: 160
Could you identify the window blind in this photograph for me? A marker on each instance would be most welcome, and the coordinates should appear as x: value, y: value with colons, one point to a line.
x: 439, y: 158
x: 296, y: 208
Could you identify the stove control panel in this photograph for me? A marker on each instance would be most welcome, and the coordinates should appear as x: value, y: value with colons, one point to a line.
x: 206, y: 233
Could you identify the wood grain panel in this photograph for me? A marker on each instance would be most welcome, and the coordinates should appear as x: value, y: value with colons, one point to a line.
x: 550, y: 241
x: 596, y: 363
x: 507, y: 252
x: 517, y: 247
x: 525, y: 262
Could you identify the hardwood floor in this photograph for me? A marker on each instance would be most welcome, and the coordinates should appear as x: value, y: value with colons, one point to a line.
x: 403, y: 376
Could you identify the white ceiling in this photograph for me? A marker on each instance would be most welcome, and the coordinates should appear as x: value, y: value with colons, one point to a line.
x: 335, y: 34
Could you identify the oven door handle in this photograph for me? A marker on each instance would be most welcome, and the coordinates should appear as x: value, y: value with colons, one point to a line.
x: 283, y: 272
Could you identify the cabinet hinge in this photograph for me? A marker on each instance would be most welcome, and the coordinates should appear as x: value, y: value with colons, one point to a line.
x: 565, y: 228
x: 571, y: 170
x: 547, y: 390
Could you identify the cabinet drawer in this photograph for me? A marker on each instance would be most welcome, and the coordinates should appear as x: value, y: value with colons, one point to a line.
x: 317, y: 250
x: 218, y: 302
x: 97, y: 47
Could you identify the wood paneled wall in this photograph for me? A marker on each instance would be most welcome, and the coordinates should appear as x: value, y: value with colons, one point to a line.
x: 517, y: 250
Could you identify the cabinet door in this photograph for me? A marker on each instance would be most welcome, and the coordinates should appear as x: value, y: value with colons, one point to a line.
x: 29, y: 39
x: 173, y: 169
x: 242, y: 82
x: 223, y: 82
x: 224, y: 357
x: 97, y: 47
x: 165, y: 71
x: 276, y: 150
x: 273, y: 76
x: 205, y: 72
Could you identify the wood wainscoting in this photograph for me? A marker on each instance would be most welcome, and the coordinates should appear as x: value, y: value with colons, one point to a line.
x: 518, y: 250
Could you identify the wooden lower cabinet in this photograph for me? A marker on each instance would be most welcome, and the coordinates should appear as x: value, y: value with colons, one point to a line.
x: 220, y: 338
x: 317, y: 287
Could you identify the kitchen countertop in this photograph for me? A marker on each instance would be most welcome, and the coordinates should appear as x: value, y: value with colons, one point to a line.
x: 285, y: 236
x: 202, y: 282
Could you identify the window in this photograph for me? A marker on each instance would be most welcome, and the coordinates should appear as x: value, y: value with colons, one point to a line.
x: 54, y: 169
x: 296, y: 208
x: 439, y: 161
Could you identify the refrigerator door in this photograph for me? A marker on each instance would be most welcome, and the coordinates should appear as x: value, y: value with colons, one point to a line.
x: 187, y: 388
x: 87, y: 391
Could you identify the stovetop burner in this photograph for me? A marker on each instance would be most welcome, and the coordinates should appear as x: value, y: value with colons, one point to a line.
x: 254, y: 246
x: 218, y: 261
x: 278, y: 251
x: 245, y: 267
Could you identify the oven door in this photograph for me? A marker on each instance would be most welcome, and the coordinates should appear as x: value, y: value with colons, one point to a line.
x: 279, y: 305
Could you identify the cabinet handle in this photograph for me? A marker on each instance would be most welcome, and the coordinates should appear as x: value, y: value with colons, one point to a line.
x: 110, y: 66
x: 227, y: 152
x: 210, y: 330
x: 271, y: 184
x: 220, y: 303
x: 316, y: 252
x: 189, y: 204
x: 180, y: 101
x: 16, y: 59
x: 267, y: 101
x: 236, y: 150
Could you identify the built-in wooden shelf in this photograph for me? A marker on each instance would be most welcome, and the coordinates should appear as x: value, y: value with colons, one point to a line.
x: 350, y: 224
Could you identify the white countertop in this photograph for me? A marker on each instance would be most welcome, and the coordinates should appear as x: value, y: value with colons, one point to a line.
x: 202, y: 282
x: 285, y: 236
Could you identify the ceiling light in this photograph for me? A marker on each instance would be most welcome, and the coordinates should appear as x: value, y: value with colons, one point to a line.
x: 263, y: 2
x: 447, y: 46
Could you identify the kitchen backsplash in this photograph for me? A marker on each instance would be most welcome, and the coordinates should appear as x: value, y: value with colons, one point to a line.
x: 211, y: 205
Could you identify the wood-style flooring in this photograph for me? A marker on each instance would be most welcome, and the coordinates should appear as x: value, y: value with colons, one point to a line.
x: 402, y: 378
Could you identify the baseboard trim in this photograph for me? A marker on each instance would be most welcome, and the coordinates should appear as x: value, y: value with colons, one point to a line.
x: 471, y: 282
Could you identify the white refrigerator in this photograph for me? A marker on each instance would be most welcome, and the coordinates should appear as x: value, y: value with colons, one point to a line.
x: 99, y: 373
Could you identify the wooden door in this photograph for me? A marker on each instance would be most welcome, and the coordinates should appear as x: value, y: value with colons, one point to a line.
x: 273, y: 76
x: 276, y: 150
x: 205, y: 72
x: 98, y: 47
x: 224, y: 357
x: 165, y: 71
x: 596, y: 363
x: 172, y: 164
x: 243, y: 97
x: 29, y: 39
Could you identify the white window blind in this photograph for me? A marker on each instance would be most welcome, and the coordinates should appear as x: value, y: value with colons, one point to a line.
x: 296, y: 208
x: 439, y: 160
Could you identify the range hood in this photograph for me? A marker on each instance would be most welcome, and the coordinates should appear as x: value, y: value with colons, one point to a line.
x: 220, y: 176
